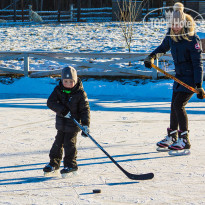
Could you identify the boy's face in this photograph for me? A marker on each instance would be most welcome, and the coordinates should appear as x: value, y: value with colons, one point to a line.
x: 68, y: 83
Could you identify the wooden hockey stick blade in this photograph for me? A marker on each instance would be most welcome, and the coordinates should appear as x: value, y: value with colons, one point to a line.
x: 176, y: 79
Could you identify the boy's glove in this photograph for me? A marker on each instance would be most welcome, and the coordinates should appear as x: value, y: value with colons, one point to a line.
x: 201, y: 93
x: 86, y: 128
x: 148, y: 61
x: 65, y: 112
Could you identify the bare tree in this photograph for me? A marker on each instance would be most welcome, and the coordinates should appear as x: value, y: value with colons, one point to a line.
x: 129, y: 11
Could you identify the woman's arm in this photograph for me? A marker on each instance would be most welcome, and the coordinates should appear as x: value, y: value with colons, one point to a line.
x: 163, y: 48
x: 195, y: 49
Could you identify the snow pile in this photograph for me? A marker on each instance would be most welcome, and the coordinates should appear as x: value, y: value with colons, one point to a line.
x: 130, y: 89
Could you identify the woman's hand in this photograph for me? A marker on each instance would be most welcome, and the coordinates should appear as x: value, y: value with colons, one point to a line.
x: 148, y: 61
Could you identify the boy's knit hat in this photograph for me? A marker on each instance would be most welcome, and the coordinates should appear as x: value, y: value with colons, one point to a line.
x: 69, y: 73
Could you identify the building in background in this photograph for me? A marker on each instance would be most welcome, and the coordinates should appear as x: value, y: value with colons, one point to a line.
x: 142, y: 6
x: 49, y: 5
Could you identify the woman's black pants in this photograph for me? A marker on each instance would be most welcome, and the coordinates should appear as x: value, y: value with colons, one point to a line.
x: 178, y: 116
x: 64, y: 141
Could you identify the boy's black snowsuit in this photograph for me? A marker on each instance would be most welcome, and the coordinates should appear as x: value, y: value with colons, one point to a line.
x: 77, y: 104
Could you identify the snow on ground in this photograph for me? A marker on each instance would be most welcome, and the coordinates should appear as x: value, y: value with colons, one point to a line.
x: 128, y: 117
x: 123, y: 88
x: 82, y: 37
x: 77, y: 37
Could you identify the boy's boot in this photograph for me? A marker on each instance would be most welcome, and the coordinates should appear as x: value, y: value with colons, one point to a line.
x: 50, y: 170
x: 66, y: 170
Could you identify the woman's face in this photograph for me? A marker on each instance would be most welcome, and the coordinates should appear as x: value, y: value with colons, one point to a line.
x: 176, y: 28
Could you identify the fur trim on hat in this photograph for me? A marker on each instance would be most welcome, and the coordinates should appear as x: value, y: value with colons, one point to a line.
x: 178, y: 7
x: 187, y: 21
x: 190, y: 24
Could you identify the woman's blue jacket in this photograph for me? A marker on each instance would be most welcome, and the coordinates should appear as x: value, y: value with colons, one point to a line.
x: 187, y: 56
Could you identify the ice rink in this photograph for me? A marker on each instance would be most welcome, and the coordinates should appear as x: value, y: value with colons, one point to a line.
x: 127, y: 129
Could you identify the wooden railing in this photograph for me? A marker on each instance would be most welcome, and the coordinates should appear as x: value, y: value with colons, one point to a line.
x: 47, y: 16
x: 87, y: 64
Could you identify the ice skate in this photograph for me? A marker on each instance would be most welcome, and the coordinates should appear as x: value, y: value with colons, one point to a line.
x: 182, y: 146
x: 168, y: 140
x: 50, y: 171
x: 68, y: 171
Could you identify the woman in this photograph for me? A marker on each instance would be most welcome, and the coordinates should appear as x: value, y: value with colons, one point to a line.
x: 186, y: 51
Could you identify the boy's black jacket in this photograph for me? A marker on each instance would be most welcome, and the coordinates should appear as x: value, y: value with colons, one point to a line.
x: 76, y: 102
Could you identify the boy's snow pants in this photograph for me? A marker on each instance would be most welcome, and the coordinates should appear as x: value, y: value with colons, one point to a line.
x: 64, y: 141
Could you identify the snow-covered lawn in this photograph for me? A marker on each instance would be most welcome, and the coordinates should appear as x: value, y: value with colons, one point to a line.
x: 77, y: 37
x: 82, y: 37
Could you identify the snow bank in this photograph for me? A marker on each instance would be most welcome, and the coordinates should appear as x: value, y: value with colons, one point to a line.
x: 130, y: 89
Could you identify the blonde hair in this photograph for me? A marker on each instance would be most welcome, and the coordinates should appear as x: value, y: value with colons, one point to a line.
x: 184, y: 19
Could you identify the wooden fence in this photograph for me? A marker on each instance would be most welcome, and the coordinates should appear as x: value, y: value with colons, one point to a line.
x: 86, y: 14
x: 87, y: 64
x: 95, y: 14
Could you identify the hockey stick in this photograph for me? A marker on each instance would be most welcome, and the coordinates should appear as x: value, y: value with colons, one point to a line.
x: 176, y: 79
x: 129, y: 175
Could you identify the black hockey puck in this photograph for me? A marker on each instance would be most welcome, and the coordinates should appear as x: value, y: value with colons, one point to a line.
x: 95, y: 191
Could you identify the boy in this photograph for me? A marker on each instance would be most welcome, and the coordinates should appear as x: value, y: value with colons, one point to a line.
x: 68, y: 96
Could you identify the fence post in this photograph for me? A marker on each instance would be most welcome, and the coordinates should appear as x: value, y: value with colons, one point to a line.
x: 59, y: 10
x: 41, y: 5
x: 26, y: 64
x: 22, y: 10
x: 154, y: 71
x: 79, y: 8
x: 29, y: 13
x: 71, y: 12
x: 14, y: 10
